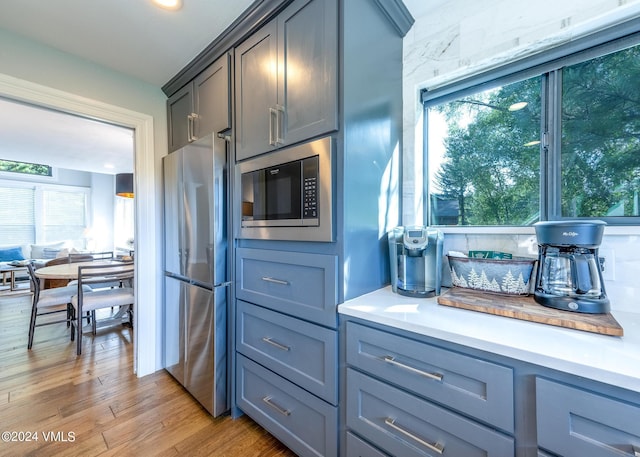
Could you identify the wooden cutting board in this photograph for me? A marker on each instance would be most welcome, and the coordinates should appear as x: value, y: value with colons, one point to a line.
x: 525, y: 308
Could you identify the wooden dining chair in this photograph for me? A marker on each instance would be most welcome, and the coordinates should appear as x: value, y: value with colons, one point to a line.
x: 106, y: 255
x: 50, y: 301
x: 95, y: 284
x: 88, y: 299
x: 91, y: 256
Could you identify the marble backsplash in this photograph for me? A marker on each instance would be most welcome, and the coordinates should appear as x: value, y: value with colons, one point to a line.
x: 623, y: 262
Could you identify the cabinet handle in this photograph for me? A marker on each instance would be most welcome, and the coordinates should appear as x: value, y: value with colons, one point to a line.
x: 273, y: 124
x: 636, y: 451
x: 269, y: 340
x: 393, y: 361
x: 191, y: 118
x: 189, y: 128
x: 280, y: 124
x: 437, y: 447
x: 267, y: 400
x: 275, y: 281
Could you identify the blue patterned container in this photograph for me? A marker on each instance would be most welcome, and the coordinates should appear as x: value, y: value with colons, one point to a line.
x: 502, y: 276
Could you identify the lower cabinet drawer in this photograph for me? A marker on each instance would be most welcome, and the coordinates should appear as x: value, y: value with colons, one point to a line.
x: 303, y: 353
x: 294, y: 283
x: 303, y: 422
x: 575, y: 423
x: 474, y: 387
x: 359, y: 448
x: 404, y: 425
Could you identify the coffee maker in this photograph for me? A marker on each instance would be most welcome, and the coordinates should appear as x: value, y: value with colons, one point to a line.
x: 415, y: 255
x: 569, y: 276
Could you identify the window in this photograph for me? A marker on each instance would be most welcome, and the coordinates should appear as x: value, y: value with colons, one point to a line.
x: 600, y: 136
x: 484, y: 164
x: 17, y: 215
x: 26, y: 168
x: 41, y: 214
x: 64, y: 214
x: 558, y: 140
x: 124, y: 223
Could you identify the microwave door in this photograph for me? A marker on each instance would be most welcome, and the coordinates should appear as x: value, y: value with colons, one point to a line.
x: 283, y: 193
x: 259, y: 204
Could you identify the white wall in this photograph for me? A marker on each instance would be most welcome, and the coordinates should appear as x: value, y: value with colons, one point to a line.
x: 452, y: 39
x: 121, y: 97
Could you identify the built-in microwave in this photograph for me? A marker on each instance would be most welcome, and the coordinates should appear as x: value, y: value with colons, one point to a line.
x: 287, y: 194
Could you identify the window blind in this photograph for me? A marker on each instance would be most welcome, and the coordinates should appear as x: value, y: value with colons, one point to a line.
x: 17, y: 215
x: 64, y: 215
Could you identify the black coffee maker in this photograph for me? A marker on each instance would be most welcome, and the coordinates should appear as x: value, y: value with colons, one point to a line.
x: 569, y: 276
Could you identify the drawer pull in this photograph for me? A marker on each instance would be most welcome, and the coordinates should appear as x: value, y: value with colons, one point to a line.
x: 284, y: 412
x: 437, y: 447
x: 636, y: 451
x: 269, y: 340
x: 275, y: 281
x: 393, y: 361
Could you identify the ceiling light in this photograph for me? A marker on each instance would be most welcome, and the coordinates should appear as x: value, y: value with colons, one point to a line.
x: 517, y: 106
x: 169, y: 4
x: 532, y: 143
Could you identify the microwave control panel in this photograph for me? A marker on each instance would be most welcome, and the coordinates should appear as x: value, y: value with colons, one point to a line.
x: 310, y: 192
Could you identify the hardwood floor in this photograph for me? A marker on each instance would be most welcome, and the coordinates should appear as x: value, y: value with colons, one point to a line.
x: 93, y: 405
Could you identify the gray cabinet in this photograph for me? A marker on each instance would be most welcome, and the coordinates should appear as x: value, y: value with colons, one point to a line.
x: 202, y: 106
x: 299, y: 351
x: 312, y: 68
x: 411, y: 398
x: 475, y: 387
x: 287, y: 346
x: 409, y: 426
x: 256, y: 92
x: 306, y: 424
x: 412, y: 395
x: 574, y: 422
x: 286, y: 79
x: 179, y: 109
x: 299, y: 284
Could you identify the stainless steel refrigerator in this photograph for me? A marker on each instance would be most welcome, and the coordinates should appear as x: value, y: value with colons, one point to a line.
x: 196, y: 287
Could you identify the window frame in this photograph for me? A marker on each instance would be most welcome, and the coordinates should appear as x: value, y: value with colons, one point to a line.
x: 547, y: 64
x: 13, y: 176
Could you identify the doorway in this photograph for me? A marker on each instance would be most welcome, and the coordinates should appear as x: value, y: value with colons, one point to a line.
x: 145, y: 337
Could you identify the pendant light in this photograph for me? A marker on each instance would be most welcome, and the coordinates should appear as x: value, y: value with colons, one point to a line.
x: 124, y: 185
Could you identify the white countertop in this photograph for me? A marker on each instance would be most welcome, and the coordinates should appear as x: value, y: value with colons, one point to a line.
x: 609, y: 359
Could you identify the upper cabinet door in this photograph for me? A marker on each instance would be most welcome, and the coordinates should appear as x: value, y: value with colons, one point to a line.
x: 286, y: 79
x: 202, y: 106
x: 179, y: 108
x: 256, y: 92
x: 308, y: 60
x: 212, y: 93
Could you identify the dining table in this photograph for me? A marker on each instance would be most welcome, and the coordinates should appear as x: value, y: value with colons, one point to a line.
x: 70, y: 270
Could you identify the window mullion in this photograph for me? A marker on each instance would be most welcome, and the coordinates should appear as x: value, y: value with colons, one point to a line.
x: 552, y: 188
